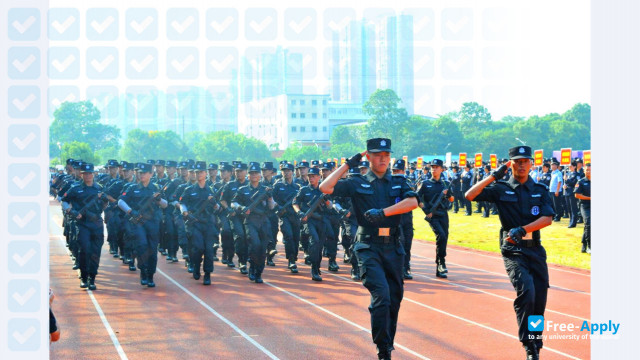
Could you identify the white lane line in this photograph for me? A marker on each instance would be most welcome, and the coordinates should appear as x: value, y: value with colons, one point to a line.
x: 464, y: 319
x: 423, y: 242
x: 225, y: 320
x: 105, y: 322
x: 419, y: 356
x: 504, y: 275
x: 491, y: 294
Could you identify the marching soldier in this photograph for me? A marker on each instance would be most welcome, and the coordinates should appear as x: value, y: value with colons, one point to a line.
x: 435, y: 200
x: 524, y: 208
x: 406, y: 225
x: 140, y: 203
x: 226, y: 235
x: 583, y: 193
x: 283, y: 193
x: 331, y: 220
x: 84, y: 203
x: 378, y: 198
x: 174, y: 223
x: 253, y: 202
x: 467, y: 180
x: 458, y: 199
x: 113, y: 167
x: 239, y: 237
x: 197, y: 204
x: 268, y: 180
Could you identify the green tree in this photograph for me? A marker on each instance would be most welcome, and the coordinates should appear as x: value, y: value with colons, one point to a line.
x: 298, y: 152
x: 473, y: 117
x: 142, y: 145
x: 580, y: 113
x: 227, y: 146
x: 79, y: 150
x: 386, y: 116
x: 80, y: 121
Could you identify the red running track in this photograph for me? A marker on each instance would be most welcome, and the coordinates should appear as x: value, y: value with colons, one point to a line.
x: 467, y: 316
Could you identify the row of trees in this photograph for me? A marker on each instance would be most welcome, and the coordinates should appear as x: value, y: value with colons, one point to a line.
x: 76, y: 132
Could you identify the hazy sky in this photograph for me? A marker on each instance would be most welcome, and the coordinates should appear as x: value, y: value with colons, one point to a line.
x: 516, y: 58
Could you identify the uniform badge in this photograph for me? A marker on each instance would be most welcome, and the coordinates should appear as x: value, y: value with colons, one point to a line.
x: 535, y: 210
x: 521, y: 150
x: 383, y: 143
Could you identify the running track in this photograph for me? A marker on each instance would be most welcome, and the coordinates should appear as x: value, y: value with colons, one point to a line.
x: 467, y: 316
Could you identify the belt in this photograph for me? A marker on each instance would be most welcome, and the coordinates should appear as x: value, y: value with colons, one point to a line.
x: 530, y: 240
x: 376, y: 235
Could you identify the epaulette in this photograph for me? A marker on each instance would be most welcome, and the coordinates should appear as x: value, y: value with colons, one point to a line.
x: 543, y: 185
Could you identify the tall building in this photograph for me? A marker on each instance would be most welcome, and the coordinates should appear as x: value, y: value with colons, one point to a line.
x: 270, y: 73
x: 395, y: 57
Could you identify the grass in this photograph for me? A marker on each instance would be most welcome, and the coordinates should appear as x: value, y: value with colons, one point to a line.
x: 475, y: 232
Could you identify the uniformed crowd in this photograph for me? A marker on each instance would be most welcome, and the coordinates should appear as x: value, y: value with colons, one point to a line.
x: 160, y: 207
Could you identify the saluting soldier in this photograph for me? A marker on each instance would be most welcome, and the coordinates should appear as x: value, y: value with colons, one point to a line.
x: 256, y: 222
x: 524, y: 208
x: 140, y: 203
x: 84, y: 203
x: 283, y: 193
x: 435, y: 207
x: 378, y: 200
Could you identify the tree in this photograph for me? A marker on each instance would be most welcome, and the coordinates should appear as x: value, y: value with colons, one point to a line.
x: 80, y: 121
x: 80, y: 151
x: 580, y: 113
x: 143, y: 145
x: 473, y: 117
x: 227, y: 146
x: 298, y: 152
x: 387, y: 118
x: 346, y: 135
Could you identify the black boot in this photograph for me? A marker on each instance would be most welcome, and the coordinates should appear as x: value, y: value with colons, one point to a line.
x: 174, y: 258
x: 440, y: 271
x: 333, y: 265
x: 315, y: 273
x: 143, y: 278
x: 243, y: 268
x: 584, y: 248
x: 189, y: 267
x: 196, y: 272
x: 444, y: 265
x: 215, y: 253
x: 92, y: 282
x: 150, y: 282
x: 355, y: 274
x: 406, y: 274
x: 270, y: 256
x: 132, y: 266
x: 531, y: 350
x: 258, y: 277
x: 84, y: 282
x: 307, y: 261
x: 346, y: 258
x: 207, y: 278
x: 230, y: 263
x: 252, y: 273
x: 293, y: 267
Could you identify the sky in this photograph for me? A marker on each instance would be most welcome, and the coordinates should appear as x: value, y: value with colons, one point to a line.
x: 515, y: 58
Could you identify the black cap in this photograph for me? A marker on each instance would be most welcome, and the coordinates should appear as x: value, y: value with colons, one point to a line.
x: 126, y: 165
x: 555, y: 161
x: 241, y: 166
x: 226, y: 167
x: 287, y: 166
x: 379, y: 145
x: 267, y: 165
x: 77, y: 164
x: 160, y: 162
x: 398, y: 165
x: 142, y: 167
x: 354, y: 171
x: 326, y: 166
x: 112, y: 163
x: 436, y: 162
x: 223, y: 163
x: 201, y: 166
x: 315, y: 162
x: 235, y: 162
x: 86, y: 168
x: 213, y: 166
x: 488, y: 167
x: 364, y: 164
x: 254, y: 168
x: 314, y: 171
x: 520, y: 152
x: 254, y: 163
x: 183, y: 165
x: 578, y: 160
x: 151, y: 162
x: 172, y: 163
x: 69, y: 161
x: 303, y: 164
x: 191, y: 161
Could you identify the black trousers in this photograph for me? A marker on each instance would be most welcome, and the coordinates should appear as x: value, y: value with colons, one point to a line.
x: 202, y: 238
x: 273, y: 228
x: 90, y: 241
x: 458, y: 201
x: 529, y: 275
x: 440, y: 226
x: 407, y: 240
x: 290, y: 228
x: 586, y: 215
x: 239, y: 239
x: 316, y: 230
x: 181, y: 233
x: 381, y: 271
x: 228, y: 248
x: 147, y: 237
x: 258, y: 237
x: 557, y: 204
x: 572, y: 207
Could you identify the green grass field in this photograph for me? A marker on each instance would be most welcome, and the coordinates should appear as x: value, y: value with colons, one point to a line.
x: 475, y: 232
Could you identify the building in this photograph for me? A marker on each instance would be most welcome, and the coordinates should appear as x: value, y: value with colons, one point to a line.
x: 345, y: 113
x: 284, y: 119
x: 395, y: 57
x: 265, y: 73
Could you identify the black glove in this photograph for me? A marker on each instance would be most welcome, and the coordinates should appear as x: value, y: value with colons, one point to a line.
x: 354, y: 161
x: 73, y: 214
x: 300, y: 214
x: 134, y: 214
x: 374, y: 216
x: 516, y: 234
x: 499, y: 174
x: 242, y: 209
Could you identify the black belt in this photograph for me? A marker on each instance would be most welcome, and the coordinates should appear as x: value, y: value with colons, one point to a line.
x: 376, y: 235
x: 525, y: 243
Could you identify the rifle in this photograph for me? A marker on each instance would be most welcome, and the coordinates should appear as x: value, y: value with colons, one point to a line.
x: 437, y: 201
x: 201, y: 207
x: 259, y: 197
x: 84, y: 211
x: 141, y: 218
x: 313, y: 206
x: 284, y: 209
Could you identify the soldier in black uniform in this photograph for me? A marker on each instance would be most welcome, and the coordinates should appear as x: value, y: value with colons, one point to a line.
x: 303, y: 168
x: 456, y: 184
x: 467, y: 180
x: 256, y: 222
x: 313, y: 224
x: 331, y: 220
x: 283, y: 193
x: 268, y: 180
x: 239, y: 237
x: 524, y: 208
x: 113, y: 167
x: 197, y: 204
x: 351, y: 229
x: 570, y: 182
x: 226, y: 235
x: 364, y: 167
x: 84, y: 203
x: 583, y: 193
x: 435, y: 208
x: 406, y: 224
x: 140, y: 202
x: 378, y: 200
